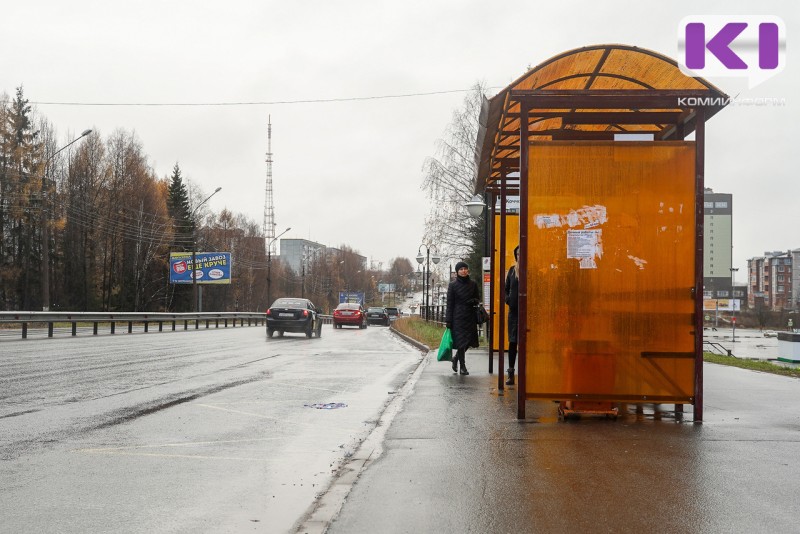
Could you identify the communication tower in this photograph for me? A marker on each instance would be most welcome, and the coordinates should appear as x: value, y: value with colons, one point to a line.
x: 269, y: 206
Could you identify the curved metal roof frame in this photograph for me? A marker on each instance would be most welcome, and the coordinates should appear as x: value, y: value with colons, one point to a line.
x: 591, y: 93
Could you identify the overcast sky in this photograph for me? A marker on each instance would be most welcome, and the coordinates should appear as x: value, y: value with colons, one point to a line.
x: 350, y: 172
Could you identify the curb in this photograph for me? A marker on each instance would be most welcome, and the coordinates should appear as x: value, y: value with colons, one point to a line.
x: 328, y: 506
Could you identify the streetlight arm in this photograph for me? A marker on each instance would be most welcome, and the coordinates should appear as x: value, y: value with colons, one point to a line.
x: 217, y: 190
x: 269, y: 245
x: 54, y: 154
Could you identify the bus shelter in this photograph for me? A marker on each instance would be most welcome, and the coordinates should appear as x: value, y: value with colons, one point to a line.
x: 610, y: 227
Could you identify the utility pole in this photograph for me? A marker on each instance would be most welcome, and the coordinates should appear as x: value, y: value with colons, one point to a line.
x: 194, y: 249
x: 46, y: 224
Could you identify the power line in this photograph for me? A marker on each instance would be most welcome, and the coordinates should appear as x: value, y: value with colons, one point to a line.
x: 252, y: 103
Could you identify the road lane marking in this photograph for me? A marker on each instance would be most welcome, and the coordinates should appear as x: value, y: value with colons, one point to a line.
x: 191, y: 456
x: 260, y: 416
x: 181, y: 444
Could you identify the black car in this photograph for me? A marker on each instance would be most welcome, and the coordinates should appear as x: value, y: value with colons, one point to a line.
x: 293, y: 315
x: 377, y: 315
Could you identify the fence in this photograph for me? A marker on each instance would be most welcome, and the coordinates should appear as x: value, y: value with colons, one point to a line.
x: 436, y: 314
x: 433, y: 314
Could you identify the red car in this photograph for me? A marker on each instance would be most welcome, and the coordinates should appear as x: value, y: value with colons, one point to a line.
x: 350, y: 313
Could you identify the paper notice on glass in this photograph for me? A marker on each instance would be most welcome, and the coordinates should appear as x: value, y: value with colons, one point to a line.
x: 584, y: 245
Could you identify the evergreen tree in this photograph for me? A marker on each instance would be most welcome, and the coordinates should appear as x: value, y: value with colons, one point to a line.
x: 179, y: 210
x: 20, y: 196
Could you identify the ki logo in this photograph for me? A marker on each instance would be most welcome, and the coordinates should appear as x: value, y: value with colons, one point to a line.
x: 750, y: 46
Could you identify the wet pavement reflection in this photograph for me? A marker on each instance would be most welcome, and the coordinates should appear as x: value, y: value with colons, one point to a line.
x: 457, y: 460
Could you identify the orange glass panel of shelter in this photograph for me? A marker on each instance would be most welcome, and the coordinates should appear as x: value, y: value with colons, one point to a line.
x: 611, y: 263
x: 499, y: 278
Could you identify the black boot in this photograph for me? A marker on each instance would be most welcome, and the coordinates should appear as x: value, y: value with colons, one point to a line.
x: 455, y: 364
x: 461, y: 356
x: 510, y: 381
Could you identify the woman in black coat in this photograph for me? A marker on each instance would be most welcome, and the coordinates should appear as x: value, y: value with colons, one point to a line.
x: 462, y: 296
x: 512, y: 299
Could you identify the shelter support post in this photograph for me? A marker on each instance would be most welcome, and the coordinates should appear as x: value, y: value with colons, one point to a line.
x: 700, y: 141
x: 523, y: 260
x: 501, y: 270
x: 489, y: 238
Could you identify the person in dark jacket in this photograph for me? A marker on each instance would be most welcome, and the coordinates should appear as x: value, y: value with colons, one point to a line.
x: 512, y: 299
x: 460, y: 318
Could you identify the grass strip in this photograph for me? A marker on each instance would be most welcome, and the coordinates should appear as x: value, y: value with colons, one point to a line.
x: 752, y: 365
x: 429, y: 334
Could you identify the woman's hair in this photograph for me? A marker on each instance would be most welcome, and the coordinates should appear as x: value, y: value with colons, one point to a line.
x: 516, y: 260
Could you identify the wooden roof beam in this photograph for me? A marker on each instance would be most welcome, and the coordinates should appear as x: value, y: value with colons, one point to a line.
x: 609, y: 117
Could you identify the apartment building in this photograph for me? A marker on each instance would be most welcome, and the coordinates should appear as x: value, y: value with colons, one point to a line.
x: 297, y: 253
x: 718, y: 247
x: 774, y: 280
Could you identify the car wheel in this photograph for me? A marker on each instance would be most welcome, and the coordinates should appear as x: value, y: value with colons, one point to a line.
x: 319, y: 330
x: 310, y: 330
x: 280, y: 333
x: 270, y: 331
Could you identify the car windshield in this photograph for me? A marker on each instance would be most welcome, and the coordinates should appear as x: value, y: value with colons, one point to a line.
x: 376, y: 310
x: 393, y: 311
x: 347, y: 306
x: 289, y: 303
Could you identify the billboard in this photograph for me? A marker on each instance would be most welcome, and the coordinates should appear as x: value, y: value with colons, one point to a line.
x: 212, y: 267
x: 351, y: 296
x: 721, y: 305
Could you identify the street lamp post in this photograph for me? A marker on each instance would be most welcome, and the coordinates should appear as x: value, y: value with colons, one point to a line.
x: 194, y: 249
x: 45, y: 222
x: 426, y: 272
x: 346, y: 284
x: 733, y: 302
x: 269, y: 266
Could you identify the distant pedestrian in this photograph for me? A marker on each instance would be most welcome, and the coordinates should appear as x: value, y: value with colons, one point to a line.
x: 512, y: 299
x: 462, y: 297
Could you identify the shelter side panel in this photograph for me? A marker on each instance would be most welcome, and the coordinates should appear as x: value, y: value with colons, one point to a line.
x: 611, y: 251
x: 499, y: 278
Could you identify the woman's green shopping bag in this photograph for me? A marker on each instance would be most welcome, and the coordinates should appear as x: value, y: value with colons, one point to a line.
x: 445, y: 347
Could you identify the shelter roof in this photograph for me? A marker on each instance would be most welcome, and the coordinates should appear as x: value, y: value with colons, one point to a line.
x: 593, y: 93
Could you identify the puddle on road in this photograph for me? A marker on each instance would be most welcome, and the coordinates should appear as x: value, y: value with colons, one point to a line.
x: 327, y: 405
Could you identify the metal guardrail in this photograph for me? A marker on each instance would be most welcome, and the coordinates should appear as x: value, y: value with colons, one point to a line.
x: 715, y: 348
x: 144, y: 319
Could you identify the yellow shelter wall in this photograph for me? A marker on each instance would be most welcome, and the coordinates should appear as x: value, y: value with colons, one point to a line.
x: 611, y: 256
x: 499, y: 278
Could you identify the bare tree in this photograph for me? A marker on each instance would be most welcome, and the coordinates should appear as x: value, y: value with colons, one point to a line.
x: 450, y: 179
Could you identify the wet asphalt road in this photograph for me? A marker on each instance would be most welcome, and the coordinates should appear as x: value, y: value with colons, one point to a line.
x: 185, y: 432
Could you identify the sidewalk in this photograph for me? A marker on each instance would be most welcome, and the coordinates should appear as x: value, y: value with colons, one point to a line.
x: 455, y: 459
